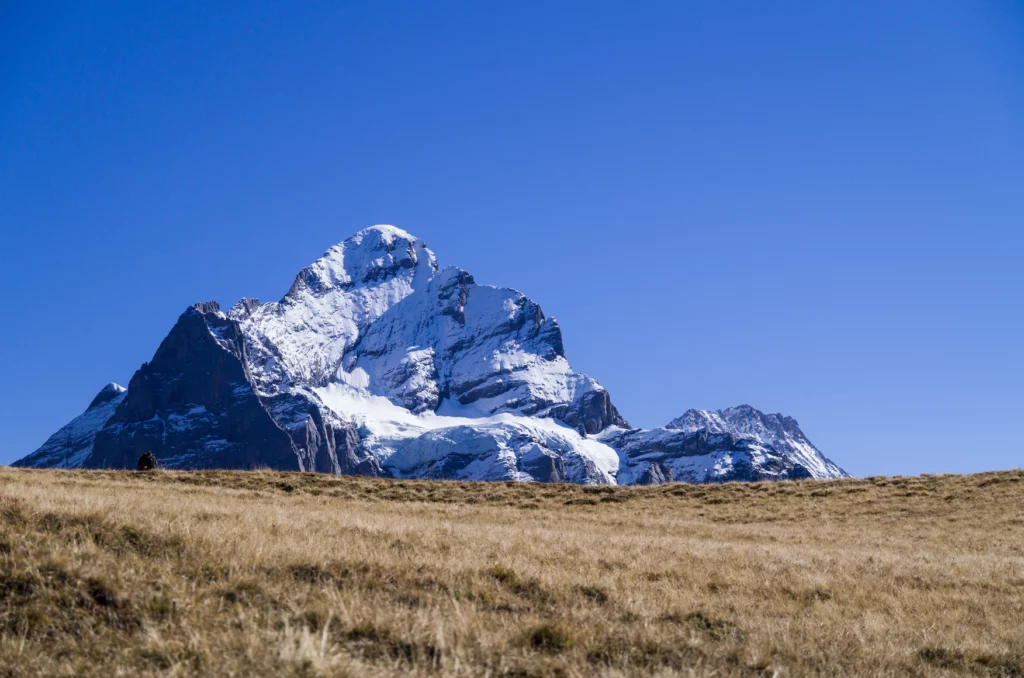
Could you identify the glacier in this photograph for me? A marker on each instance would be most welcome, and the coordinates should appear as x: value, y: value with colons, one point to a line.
x: 378, y: 361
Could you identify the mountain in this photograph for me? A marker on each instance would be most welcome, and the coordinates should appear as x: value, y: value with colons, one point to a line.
x: 378, y: 361
x: 774, y: 431
x: 738, y: 443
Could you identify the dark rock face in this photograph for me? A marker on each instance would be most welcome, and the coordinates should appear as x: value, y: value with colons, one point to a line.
x: 544, y: 468
x: 681, y: 444
x: 245, y: 305
x: 593, y: 413
x: 322, y: 441
x: 453, y: 294
x: 655, y: 474
x: 193, y: 405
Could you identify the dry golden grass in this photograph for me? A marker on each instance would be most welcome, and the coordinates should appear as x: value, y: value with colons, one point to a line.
x: 223, y: 573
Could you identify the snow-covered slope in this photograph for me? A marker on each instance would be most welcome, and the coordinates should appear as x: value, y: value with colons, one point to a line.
x: 68, y: 447
x: 501, y: 446
x: 378, y: 361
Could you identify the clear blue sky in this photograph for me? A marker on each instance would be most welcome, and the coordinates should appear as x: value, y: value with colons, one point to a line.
x: 816, y: 208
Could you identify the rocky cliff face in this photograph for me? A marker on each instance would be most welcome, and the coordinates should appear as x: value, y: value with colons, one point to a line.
x: 195, y: 406
x: 378, y: 361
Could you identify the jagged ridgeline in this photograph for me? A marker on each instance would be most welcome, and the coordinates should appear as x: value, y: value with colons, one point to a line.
x: 379, y: 362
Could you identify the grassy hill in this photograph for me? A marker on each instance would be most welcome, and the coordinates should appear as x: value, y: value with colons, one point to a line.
x: 262, y: 573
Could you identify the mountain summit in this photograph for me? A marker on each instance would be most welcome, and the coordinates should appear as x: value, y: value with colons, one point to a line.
x: 378, y: 361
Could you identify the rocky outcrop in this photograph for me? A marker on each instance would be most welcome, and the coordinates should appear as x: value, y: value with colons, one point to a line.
x: 592, y: 412
x: 147, y: 462
x: 656, y: 473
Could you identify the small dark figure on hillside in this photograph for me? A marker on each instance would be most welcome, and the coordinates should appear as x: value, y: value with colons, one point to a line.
x: 148, y: 462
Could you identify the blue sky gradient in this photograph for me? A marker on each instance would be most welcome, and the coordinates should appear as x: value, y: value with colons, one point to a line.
x: 816, y: 208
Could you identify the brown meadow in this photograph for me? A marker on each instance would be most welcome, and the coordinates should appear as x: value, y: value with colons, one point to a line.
x: 264, y: 573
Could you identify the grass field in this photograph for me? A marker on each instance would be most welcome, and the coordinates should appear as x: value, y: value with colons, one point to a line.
x: 262, y: 573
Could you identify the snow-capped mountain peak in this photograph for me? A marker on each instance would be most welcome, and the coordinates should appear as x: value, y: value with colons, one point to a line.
x: 742, y: 419
x: 378, y: 361
x: 368, y: 258
x: 775, y: 430
x: 108, y: 393
x: 303, y: 338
